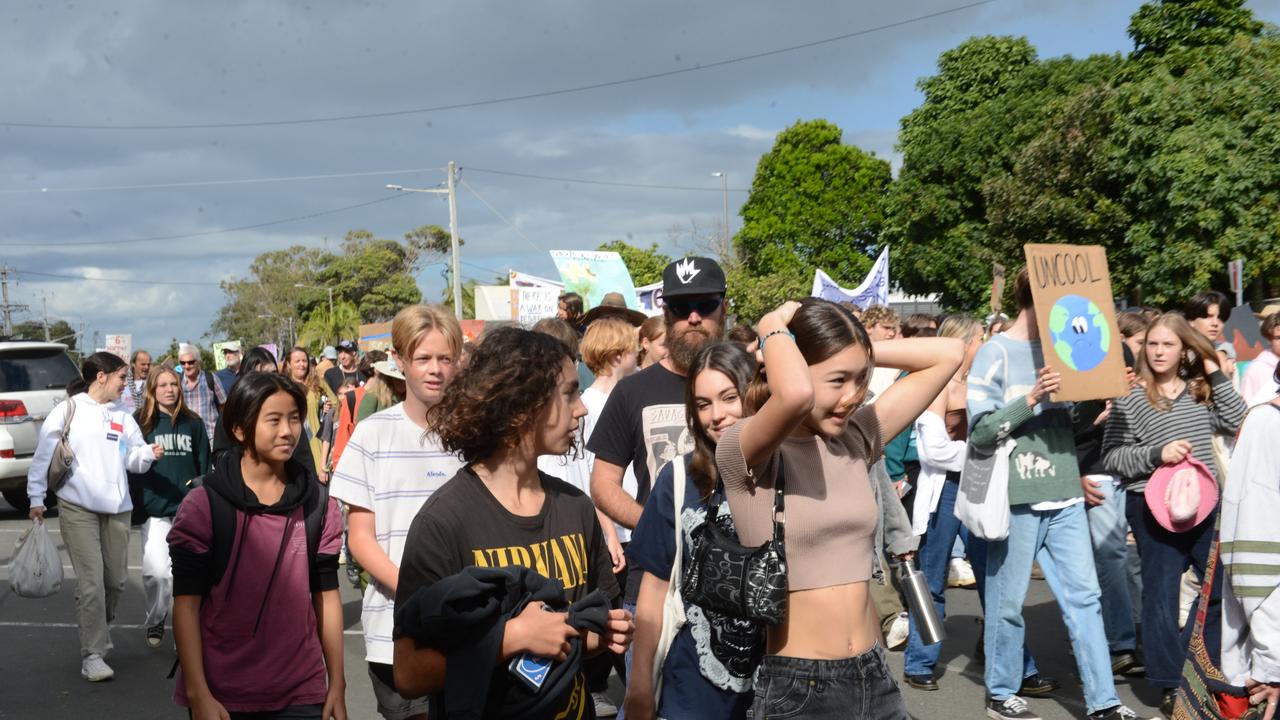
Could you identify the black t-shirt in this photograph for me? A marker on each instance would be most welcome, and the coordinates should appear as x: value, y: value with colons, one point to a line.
x: 643, y: 425
x: 336, y: 377
x: 463, y: 524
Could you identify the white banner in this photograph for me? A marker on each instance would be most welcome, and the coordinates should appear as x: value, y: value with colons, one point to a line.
x: 519, y: 279
x: 531, y: 304
x: 874, y: 290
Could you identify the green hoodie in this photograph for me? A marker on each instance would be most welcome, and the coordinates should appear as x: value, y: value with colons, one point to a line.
x: 186, y: 456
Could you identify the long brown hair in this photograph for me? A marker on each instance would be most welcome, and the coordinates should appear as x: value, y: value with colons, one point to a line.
x: 310, y: 384
x: 740, y: 367
x: 1195, y: 350
x: 149, y: 414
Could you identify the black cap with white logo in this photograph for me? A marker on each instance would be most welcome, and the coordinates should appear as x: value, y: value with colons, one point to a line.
x: 692, y: 276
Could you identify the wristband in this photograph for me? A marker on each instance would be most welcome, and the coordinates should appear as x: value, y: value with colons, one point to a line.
x: 766, y: 336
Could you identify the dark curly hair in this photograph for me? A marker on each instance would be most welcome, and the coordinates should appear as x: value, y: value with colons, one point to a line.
x: 510, y: 379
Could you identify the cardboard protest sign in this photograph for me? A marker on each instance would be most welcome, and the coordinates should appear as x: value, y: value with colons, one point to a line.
x: 1076, y: 314
x: 531, y: 304
x: 120, y: 345
x: 375, y: 336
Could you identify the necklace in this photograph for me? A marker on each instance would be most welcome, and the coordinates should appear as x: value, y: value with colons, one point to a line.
x: 1165, y: 388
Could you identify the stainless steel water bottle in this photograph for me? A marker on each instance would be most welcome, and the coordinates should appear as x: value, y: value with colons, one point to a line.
x: 920, y: 603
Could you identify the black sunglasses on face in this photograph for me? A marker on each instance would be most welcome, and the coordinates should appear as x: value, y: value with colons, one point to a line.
x: 684, y: 308
x: 185, y: 363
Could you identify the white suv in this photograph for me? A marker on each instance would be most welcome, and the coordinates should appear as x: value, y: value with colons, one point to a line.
x: 33, y: 378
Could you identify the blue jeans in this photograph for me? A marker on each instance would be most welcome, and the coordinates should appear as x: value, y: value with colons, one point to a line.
x: 1059, y: 541
x: 1108, y: 527
x: 934, y: 558
x: 856, y: 688
x: 1165, y: 556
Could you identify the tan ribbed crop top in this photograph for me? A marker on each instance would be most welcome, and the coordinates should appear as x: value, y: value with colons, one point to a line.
x: 831, y: 510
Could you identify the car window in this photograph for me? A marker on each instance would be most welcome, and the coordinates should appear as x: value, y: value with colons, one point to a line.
x: 35, y: 369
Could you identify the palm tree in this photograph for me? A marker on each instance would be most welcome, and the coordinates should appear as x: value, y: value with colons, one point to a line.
x: 321, y: 328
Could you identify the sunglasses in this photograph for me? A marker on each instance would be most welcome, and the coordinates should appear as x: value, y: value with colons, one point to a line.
x: 185, y: 363
x: 682, y: 308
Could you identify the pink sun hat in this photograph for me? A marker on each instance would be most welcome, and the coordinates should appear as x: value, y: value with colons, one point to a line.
x: 1182, y: 495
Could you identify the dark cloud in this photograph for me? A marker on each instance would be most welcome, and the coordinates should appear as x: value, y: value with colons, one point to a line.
x: 152, y: 62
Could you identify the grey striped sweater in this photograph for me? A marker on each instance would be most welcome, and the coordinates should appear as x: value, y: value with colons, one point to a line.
x: 1137, y: 431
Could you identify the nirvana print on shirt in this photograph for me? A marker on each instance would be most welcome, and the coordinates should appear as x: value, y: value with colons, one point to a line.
x: 563, y: 558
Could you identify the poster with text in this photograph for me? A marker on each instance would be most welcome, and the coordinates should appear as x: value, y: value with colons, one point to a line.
x: 1076, y: 315
x: 594, y: 274
x: 531, y: 304
x: 120, y: 345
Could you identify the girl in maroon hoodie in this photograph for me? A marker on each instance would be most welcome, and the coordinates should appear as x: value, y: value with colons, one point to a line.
x: 256, y: 614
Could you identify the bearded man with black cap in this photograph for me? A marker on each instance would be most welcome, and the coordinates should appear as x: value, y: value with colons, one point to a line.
x: 643, y: 423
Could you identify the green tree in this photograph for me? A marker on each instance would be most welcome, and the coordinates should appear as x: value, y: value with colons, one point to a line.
x: 468, y: 294
x: 990, y: 98
x: 814, y: 203
x: 1172, y: 27
x: 59, y: 331
x: 644, y: 264
x: 255, y: 304
x: 321, y: 328
x: 375, y: 274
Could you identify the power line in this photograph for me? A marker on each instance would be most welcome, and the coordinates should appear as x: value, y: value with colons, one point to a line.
x: 205, y: 233
x: 116, y: 280
x: 608, y: 183
x: 202, y: 183
x: 509, y: 98
x: 501, y: 217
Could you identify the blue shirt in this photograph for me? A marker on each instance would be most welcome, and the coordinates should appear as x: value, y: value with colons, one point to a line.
x: 227, y: 377
x: 708, y: 669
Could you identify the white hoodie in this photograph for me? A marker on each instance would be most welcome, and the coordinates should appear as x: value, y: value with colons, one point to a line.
x: 106, y: 443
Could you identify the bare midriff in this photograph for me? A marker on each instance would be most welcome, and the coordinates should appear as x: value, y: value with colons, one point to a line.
x: 827, y: 623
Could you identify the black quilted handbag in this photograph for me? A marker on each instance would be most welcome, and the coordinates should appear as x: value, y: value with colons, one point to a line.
x: 743, y: 582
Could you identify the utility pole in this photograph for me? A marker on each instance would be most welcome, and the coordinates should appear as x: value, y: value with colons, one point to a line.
x: 451, y: 190
x: 44, y: 310
x: 7, y: 309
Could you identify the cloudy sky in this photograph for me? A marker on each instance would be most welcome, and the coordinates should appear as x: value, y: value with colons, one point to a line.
x: 105, y: 101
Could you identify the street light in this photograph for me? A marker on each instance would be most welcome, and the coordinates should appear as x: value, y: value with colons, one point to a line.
x: 453, y: 229
x: 724, y: 185
x: 319, y: 287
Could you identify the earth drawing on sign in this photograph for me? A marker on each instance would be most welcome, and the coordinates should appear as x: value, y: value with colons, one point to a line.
x: 1079, y: 331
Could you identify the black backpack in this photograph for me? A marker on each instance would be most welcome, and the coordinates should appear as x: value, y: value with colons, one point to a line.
x: 224, y: 527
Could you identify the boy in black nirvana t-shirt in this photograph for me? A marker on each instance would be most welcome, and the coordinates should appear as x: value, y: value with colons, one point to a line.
x: 517, y: 400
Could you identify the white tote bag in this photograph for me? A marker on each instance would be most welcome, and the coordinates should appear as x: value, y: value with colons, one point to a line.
x: 982, y: 504
x: 673, y: 618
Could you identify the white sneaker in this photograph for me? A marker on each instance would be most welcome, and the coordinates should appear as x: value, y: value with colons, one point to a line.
x: 896, y: 638
x: 960, y: 574
x: 604, y: 706
x: 94, y: 669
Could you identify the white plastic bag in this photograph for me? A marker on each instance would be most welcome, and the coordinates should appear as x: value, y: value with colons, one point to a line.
x: 673, y: 617
x: 35, y: 570
x: 982, y: 504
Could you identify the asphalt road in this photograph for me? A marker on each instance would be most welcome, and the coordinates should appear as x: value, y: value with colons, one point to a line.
x: 40, y: 670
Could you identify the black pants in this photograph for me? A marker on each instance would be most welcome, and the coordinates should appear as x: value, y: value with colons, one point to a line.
x: 598, y: 668
x: 856, y: 688
x: 293, y: 712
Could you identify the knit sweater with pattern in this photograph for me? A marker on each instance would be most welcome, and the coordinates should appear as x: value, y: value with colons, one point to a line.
x: 1137, y: 431
x: 1042, y: 466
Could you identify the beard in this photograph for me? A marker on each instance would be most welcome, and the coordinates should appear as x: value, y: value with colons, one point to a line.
x: 684, y: 347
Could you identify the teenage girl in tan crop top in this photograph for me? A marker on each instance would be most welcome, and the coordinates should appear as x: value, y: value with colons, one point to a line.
x: 825, y: 660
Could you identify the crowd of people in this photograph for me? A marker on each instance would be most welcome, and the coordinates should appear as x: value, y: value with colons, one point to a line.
x: 719, y: 515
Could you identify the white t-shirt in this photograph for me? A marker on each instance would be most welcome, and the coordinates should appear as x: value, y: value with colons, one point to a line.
x: 577, y: 472
x: 389, y: 467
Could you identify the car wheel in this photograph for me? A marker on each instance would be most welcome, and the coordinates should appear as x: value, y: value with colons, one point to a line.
x: 20, y: 502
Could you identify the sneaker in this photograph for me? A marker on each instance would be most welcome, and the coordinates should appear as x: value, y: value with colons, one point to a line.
x: 155, y: 636
x: 1167, y: 702
x: 1119, y: 712
x: 1014, y: 708
x: 896, y: 638
x: 94, y: 669
x: 1038, y: 686
x: 960, y: 574
x: 1126, y: 662
x: 921, y: 682
x: 604, y: 706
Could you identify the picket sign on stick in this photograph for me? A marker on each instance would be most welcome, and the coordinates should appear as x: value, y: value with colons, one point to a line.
x: 1076, y: 315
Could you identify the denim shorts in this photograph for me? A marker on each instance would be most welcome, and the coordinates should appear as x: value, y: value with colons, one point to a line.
x: 856, y: 688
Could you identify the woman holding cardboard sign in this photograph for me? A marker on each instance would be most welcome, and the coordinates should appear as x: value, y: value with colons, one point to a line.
x: 1159, y: 436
